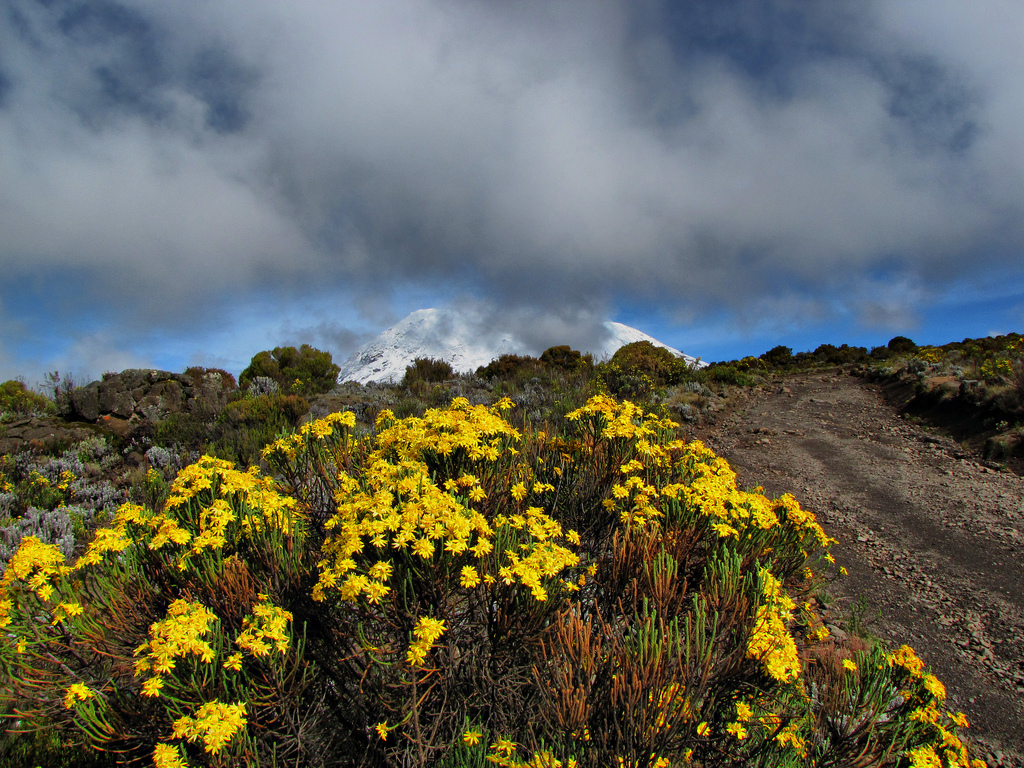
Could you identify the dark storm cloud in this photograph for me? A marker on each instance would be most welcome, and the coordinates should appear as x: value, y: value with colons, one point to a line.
x: 551, y: 159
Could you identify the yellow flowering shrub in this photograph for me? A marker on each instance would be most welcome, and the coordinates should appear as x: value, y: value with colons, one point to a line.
x: 452, y: 590
x: 214, y: 724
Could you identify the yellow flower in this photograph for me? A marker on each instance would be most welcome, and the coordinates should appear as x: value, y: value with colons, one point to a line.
x: 924, y: 757
x: 505, y: 746
x: 152, y: 686
x: 234, y: 661
x: 725, y: 530
x: 380, y: 571
x: 770, y: 640
x: 471, y: 737
x: 267, y: 624
x: 935, y: 687
x: 470, y: 578
x: 743, y: 712
x: 703, y: 729
x: 214, y: 722
x: 168, y: 756
x: 737, y: 730
x: 382, y: 730
x: 850, y: 665
x: 77, y: 692
x: 424, y: 548
x: 181, y: 633
x: 905, y: 657
x: 428, y: 629
x: 416, y: 655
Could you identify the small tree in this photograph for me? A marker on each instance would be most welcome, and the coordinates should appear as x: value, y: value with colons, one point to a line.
x: 302, y: 371
x: 427, y: 369
x: 565, y: 357
x: 901, y: 345
x: 778, y: 357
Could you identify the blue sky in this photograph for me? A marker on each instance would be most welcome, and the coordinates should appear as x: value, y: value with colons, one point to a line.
x: 189, y: 183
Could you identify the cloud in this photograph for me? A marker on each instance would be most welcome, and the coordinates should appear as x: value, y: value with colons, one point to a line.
x: 551, y: 161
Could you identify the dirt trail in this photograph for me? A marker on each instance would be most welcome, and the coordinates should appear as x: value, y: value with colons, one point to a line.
x: 933, y: 539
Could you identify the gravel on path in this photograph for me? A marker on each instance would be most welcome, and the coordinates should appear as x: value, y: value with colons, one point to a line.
x: 932, y: 538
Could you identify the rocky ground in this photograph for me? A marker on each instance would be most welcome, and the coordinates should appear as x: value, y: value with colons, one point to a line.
x: 932, y: 537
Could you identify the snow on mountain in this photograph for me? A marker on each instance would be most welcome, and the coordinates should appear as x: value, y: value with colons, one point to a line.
x: 458, y: 338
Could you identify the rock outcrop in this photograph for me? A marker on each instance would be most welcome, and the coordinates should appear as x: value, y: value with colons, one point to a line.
x: 40, y: 433
x: 130, y: 396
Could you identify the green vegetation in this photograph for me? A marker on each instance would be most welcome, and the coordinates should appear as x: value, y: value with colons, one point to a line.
x: 452, y: 591
x: 18, y: 401
x: 511, y: 567
x: 302, y: 371
x: 427, y: 370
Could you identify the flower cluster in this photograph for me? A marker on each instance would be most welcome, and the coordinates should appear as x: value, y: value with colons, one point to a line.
x: 184, y: 632
x: 426, y: 632
x: 398, y: 503
x: 76, y: 693
x: 770, y: 640
x: 607, y: 571
x: 37, y: 564
x: 926, y: 693
x: 208, y: 501
x: 215, y: 723
x: 267, y: 626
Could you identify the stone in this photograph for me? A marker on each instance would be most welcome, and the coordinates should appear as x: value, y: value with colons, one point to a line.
x: 85, y: 403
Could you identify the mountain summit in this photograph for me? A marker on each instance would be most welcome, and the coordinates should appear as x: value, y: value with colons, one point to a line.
x: 459, y: 338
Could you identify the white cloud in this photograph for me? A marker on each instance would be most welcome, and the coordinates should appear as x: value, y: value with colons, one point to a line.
x: 531, y: 154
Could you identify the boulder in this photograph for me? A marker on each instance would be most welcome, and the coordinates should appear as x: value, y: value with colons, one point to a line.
x: 85, y: 402
x: 134, y: 395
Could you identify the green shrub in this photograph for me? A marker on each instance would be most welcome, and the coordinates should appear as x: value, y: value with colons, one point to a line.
x: 452, y: 592
x: 247, y: 425
x: 643, y: 357
x: 509, y: 366
x: 427, y: 370
x: 565, y: 357
x: 728, y: 374
x: 778, y: 357
x: 302, y: 371
x: 17, y: 400
x: 901, y: 345
x: 636, y: 370
x: 186, y: 430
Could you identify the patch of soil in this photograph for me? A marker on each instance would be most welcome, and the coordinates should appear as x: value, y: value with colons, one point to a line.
x: 932, y: 535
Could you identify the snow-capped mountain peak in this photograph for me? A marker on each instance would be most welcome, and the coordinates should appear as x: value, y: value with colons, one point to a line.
x: 463, y: 339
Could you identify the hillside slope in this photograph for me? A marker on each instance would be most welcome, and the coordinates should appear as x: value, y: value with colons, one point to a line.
x: 930, y: 536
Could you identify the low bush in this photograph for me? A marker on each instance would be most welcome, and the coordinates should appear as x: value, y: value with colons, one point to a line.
x: 427, y: 370
x: 17, y: 401
x: 303, y: 371
x: 247, y: 425
x: 566, y: 357
x: 53, y: 498
x: 509, y: 367
x: 454, y: 592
